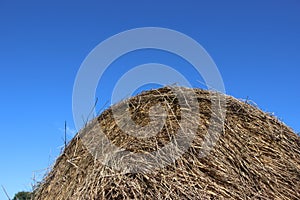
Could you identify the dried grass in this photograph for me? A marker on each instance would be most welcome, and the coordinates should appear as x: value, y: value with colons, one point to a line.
x: 256, y: 157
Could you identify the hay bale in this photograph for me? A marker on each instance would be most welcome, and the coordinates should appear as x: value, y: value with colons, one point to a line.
x: 255, y: 157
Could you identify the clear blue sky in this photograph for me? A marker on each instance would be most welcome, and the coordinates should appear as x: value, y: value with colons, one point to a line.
x: 255, y: 45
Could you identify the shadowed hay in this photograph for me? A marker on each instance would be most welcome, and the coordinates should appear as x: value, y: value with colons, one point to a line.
x: 256, y: 157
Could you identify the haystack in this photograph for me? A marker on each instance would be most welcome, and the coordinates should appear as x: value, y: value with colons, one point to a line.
x: 254, y: 156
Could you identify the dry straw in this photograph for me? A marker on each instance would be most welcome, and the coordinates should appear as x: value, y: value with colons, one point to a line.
x: 256, y: 157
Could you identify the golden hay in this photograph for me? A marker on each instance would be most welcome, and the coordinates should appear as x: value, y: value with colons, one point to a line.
x: 255, y: 157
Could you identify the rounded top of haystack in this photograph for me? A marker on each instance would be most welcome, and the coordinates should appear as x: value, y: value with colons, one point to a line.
x: 254, y: 155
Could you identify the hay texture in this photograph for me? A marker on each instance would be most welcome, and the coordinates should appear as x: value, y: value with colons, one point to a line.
x: 255, y: 156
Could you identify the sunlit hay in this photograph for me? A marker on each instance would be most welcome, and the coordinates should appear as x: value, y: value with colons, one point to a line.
x: 256, y: 157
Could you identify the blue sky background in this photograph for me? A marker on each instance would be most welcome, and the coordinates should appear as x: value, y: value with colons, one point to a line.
x: 255, y: 45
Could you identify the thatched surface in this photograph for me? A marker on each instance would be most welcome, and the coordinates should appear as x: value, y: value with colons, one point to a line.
x: 256, y: 157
